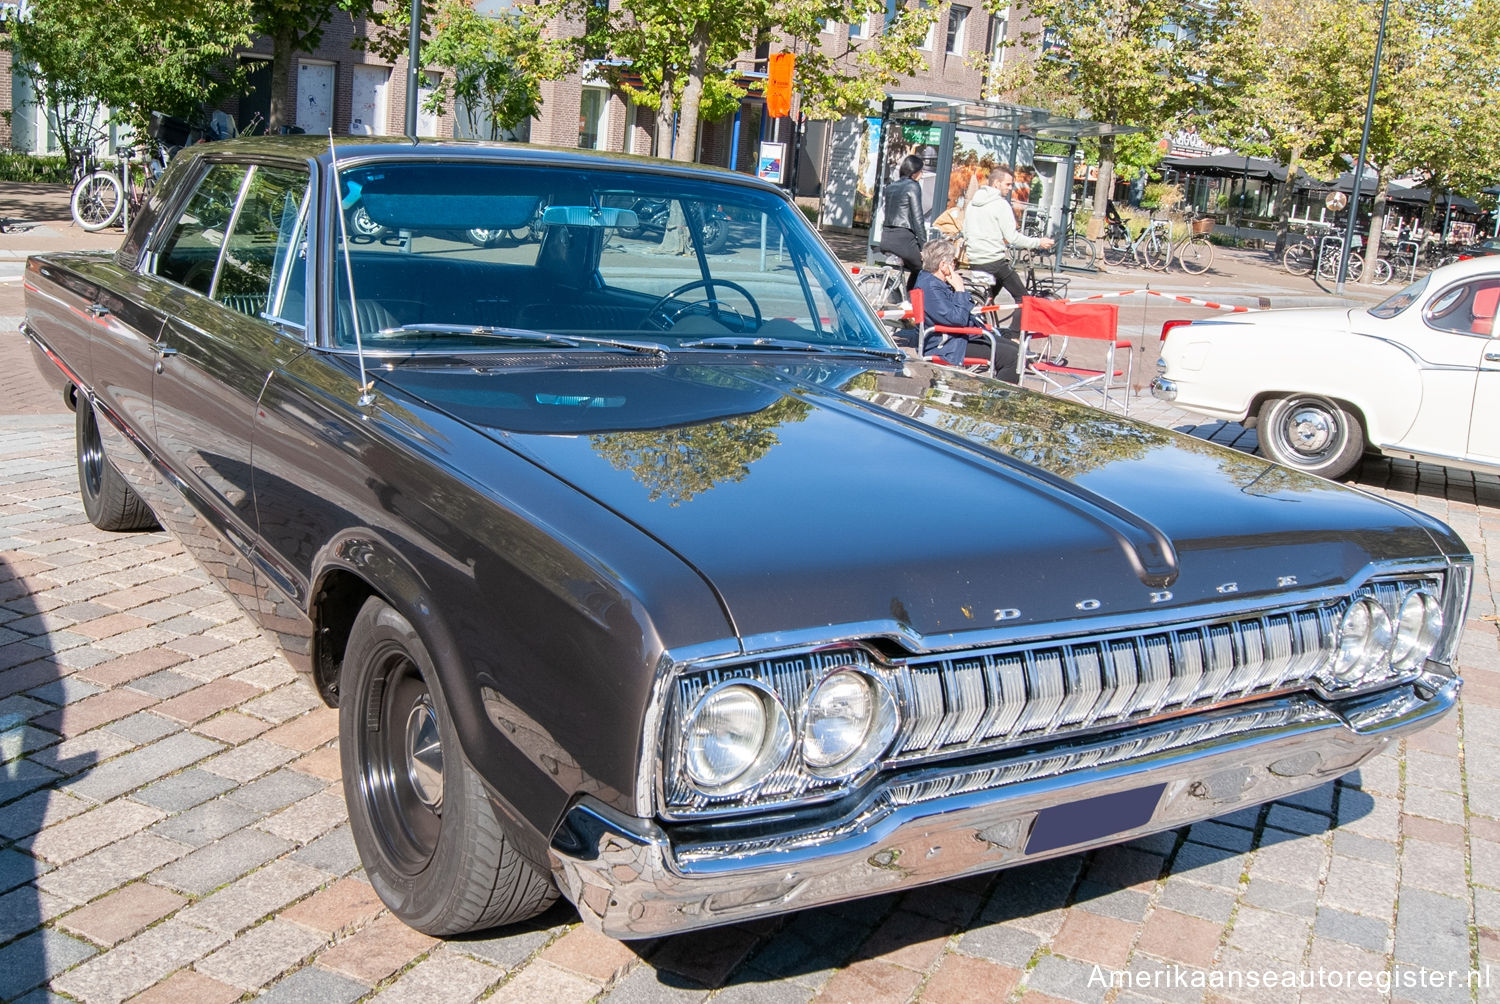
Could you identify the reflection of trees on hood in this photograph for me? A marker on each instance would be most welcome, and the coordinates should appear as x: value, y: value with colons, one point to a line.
x: 679, y: 463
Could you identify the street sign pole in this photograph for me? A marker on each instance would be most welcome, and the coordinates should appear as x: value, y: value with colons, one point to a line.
x: 1364, y: 145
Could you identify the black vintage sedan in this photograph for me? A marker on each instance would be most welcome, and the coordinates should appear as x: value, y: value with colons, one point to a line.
x: 644, y: 568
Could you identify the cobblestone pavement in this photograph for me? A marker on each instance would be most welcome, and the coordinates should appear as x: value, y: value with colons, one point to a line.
x: 172, y: 827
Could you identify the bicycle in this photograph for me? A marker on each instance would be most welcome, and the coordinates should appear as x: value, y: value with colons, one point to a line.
x: 1195, y: 253
x: 882, y: 286
x: 101, y: 198
x: 1151, y: 248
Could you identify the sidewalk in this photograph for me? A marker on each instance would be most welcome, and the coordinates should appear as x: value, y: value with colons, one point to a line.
x: 172, y: 826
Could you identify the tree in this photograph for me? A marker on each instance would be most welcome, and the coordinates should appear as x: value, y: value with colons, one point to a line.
x: 685, y: 54
x: 295, y: 26
x: 1143, y: 63
x: 498, y: 63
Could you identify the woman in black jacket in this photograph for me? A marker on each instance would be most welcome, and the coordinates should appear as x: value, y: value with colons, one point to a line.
x: 904, y: 223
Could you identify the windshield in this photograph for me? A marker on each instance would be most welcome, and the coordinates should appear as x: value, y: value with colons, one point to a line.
x: 449, y: 256
x: 1397, y: 302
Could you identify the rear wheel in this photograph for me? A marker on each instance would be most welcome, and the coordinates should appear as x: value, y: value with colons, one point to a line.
x: 1298, y: 258
x: 1196, y: 255
x: 97, y: 201
x: 108, y: 501
x: 432, y: 845
x: 1115, y: 248
x: 1312, y: 434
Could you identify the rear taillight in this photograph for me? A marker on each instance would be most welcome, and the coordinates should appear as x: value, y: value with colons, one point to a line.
x: 1167, y: 327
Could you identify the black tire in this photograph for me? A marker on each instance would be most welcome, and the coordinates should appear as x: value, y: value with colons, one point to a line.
x: 97, y: 201
x: 1312, y: 434
x: 1078, y: 251
x: 434, y: 849
x: 715, y: 235
x: 1298, y: 258
x: 1114, y: 248
x: 1196, y: 254
x: 108, y: 501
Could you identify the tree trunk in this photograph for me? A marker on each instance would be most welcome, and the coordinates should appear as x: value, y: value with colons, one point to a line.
x: 1104, y: 188
x: 283, y: 49
x: 1284, y: 200
x: 1377, y: 226
x: 663, y: 137
x: 686, y: 147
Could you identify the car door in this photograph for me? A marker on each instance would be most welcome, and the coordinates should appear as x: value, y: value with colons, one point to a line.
x: 1484, y: 423
x: 221, y: 341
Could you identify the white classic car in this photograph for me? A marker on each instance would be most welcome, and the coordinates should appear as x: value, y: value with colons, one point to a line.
x: 1416, y: 376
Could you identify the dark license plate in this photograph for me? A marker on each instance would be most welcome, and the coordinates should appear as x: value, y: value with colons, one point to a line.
x: 1092, y: 818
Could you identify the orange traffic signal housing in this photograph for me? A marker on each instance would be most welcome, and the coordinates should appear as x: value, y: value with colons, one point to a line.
x: 779, y: 84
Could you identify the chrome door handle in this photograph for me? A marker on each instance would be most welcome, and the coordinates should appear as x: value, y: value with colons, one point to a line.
x: 97, y: 310
x: 1492, y: 357
x: 163, y: 352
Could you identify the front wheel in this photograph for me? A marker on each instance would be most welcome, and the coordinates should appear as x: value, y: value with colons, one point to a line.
x: 1078, y: 252
x: 1114, y: 248
x: 1196, y: 254
x: 97, y: 201
x: 1312, y: 434
x: 427, y: 833
x: 1384, y: 272
x: 1298, y: 258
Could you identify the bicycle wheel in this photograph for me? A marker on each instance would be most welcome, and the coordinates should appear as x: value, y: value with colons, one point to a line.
x: 878, y: 288
x: 1078, y: 251
x: 97, y: 201
x: 1196, y: 254
x: 1384, y: 271
x: 1328, y: 265
x: 1114, y: 248
x: 1298, y: 258
x: 1154, y: 253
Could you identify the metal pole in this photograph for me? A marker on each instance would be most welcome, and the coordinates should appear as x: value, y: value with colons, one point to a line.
x: 413, y: 55
x: 1364, y: 145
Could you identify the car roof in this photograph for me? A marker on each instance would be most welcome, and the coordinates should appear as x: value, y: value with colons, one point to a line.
x: 305, y: 147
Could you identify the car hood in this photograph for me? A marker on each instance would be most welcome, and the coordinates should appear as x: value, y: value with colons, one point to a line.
x: 920, y: 498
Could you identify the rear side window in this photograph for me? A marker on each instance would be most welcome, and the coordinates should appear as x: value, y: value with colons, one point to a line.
x: 264, y: 262
x: 190, y: 254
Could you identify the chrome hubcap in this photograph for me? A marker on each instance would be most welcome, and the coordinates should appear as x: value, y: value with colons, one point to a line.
x: 424, y: 754
x: 1310, y: 430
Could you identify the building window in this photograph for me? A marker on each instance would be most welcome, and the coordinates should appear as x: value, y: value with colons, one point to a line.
x: 591, y: 118
x: 958, y: 20
x: 999, y: 28
x: 859, y: 29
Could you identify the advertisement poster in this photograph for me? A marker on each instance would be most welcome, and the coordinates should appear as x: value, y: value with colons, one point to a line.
x: 772, y: 156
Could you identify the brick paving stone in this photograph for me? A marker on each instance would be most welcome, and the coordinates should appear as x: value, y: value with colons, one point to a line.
x: 308, y: 732
x: 113, y: 918
x: 314, y: 986
x: 871, y: 981
x: 333, y: 852
x: 1352, y: 845
x: 708, y: 957
x: 907, y: 939
x: 962, y: 979
x: 275, y: 791
x: 322, y: 763
x: 591, y: 955
x: 37, y: 958
x: 1185, y: 896
x: 40, y: 808
x: 1351, y: 928
x: 81, y: 753
x: 1178, y: 937
x: 131, y: 667
x: 1216, y: 834
x: 25, y: 908
x: 306, y: 820
x: 134, y: 965
x: 757, y: 988
x: 65, y: 690
x: 123, y: 861
x: 1287, y: 858
x: 1437, y: 867
x: 1444, y: 806
x: 1122, y: 904
x: 143, y: 728
x: 195, y: 644
x: 1271, y: 935
x: 1484, y: 858
x: 445, y: 976
x: 543, y: 981
x: 1431, y: 930
x: 1295, y: 820
x: 344, y: 906
x: 285, y: 703
x: 247, y: 762
x: 1298, y: 901
x: 1209, y: 865
x: 1124, y: 867
x: 205, y: 701
x: 23, y: 776
x: 645, y: 985
x: 206, y: 823
x: 1065, y: 979
x: 376, y: 951
x: 164, y: 684
x: 1008, y: 946
x: 109, y: 624
x: 17, y: 869
x: 188, y: 985
x: 232, y: 727
x: 184, y: 790
x: 133, y: 770
x: 92, y: 830
x: 226, y: 858
x: 1092, y: 938
x: 261, y: 954
x: 257, y: 895
x: 1361, y: 886
x: 1375, y: 816
x: 94, y: 711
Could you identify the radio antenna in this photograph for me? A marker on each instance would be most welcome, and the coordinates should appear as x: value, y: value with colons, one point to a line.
x: 366, y: 385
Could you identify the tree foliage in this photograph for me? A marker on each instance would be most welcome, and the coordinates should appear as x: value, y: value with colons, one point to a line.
x: 295, y: 26
x: 136, y: 56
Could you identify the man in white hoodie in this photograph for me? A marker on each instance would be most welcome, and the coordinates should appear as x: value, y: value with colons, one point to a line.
x: 990, y: 230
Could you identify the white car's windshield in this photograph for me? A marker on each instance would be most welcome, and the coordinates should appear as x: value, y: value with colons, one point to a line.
x: 440, y: 251
x: 1397, y: 302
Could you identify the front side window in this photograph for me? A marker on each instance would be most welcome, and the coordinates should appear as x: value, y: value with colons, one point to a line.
x: 491, y: 256
x: 189, y: 254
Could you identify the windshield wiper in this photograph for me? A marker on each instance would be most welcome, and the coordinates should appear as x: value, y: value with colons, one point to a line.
x: 757, y: 344
x: 486, y: 331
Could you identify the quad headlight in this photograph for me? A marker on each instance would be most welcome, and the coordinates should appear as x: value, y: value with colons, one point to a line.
x: 1419, y: 626
x: 849, y: 721
x: 1364, y: 640
x: 735, y: 735
x: 1376, y: 641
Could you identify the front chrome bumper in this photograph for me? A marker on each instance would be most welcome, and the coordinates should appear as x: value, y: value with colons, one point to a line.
x: 634, y: 878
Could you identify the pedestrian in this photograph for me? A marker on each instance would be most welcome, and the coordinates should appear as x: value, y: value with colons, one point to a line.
x: 947, y: 301
x: 990, y: 232
x: 904, y: 222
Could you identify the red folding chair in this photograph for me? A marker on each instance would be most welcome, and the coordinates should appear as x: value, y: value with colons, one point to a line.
x: 1086, y: 321
x: 976, y: 364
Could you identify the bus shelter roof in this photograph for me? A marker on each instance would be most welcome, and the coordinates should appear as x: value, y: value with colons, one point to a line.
x: 995, y: 116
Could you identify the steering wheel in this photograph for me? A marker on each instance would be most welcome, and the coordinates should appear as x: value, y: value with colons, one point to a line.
x: 712, y: 306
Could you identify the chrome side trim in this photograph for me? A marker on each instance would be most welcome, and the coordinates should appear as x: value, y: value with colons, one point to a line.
x: 635, y: 878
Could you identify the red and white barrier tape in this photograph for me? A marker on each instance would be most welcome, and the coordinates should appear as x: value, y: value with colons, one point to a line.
x: 1168, y: 296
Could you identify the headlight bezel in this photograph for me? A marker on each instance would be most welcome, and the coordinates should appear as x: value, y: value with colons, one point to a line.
x: 878, y: 734
x: 774, y: 748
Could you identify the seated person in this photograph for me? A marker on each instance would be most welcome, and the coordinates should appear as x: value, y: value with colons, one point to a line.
x: 947, y: 301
